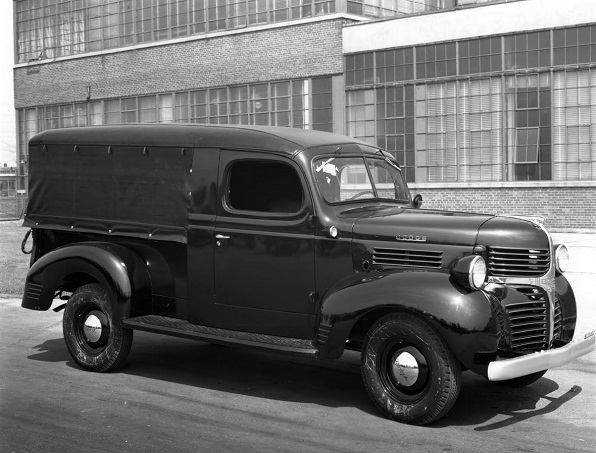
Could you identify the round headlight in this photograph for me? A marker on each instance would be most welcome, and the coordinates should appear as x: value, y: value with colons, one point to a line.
x: 477, y: 272
x: 561, y: 258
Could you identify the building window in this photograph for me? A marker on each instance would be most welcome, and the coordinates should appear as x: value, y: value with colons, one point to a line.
x: 395, y: 65
x: 322, y: 104
x: 198, y: 106
x: 528, y: 115
x: 259, y: 104
x: 480, y: 116
x: 166, y: 108
x: 436, y: 132
x: 218, y: 106
x: 480, y: 55
x: 181, y: 107
x: 574, y: 45
x: 302, y: 103
x: 361, y: 115
x: 527, y: 50
x: 129, y: 110
x: 574, y: 125
x: 436, y: 60
x: 395, y: 125
x: 360, y: 69
x: 55, y: 28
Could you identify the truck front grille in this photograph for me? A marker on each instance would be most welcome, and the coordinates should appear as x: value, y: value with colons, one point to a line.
x: 513, y: 262
x: 408, y: 258
x: 529, y: 321
x: 558, y: 321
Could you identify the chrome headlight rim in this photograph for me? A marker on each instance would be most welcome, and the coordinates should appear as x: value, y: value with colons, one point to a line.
x: 477, y: 273
x: 561, y: 258
x: 471, y: 271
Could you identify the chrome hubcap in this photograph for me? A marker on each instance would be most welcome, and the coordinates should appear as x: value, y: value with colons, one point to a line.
x: 92, y: 328
x: 405, y: 368
x: 95, y: 328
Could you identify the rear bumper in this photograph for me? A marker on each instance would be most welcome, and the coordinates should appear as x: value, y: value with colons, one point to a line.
x: 539, y: 361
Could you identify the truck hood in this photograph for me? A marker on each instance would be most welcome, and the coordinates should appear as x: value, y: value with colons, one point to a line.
x: 420, y: 225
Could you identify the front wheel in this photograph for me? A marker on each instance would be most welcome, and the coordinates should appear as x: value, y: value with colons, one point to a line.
x: 408, y: 370
x: 92, y: 338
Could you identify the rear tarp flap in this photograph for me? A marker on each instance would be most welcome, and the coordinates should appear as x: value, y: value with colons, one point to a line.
x: 121, y: 190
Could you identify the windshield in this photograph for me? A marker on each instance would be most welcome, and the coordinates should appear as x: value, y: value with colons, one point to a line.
x: 357, y: 178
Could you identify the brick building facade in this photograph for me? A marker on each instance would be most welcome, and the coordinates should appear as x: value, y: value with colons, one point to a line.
x: 484, y: 113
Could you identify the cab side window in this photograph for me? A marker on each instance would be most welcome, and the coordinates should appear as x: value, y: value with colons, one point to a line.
x: 264, y: 187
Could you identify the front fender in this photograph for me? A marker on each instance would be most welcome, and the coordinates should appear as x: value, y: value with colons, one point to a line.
x: 120, y: 271
x: 463, y: 318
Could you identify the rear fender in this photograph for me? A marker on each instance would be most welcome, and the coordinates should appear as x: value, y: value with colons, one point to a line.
x: 464, y: 318
x: 121, y: 272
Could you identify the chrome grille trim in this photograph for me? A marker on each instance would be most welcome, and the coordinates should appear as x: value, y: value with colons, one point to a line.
x: 515, y: 262
x: 529, y: 321
x: 407, y: 258
x: 557, y: 320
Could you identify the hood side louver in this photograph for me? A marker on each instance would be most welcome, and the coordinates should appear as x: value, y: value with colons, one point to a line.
x: 513, y: 262
x: 407, y: 258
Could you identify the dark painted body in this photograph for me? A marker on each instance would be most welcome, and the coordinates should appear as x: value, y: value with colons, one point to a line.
x: 279, y: 275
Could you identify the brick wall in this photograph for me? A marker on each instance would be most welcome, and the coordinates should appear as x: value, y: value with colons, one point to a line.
x: 565, y: 208
x: 279, y: 53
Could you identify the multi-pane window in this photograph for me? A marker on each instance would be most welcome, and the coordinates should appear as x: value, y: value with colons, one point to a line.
x: 280, y: 104
x: 322, y: 104
x: 165, y: 108
x: 56, y: 28
x: 480, y: 55
x: 198, y: 107
x: 302, y: 103
x: 527, y: 50
x: 480, y: 119
x: 360, y: 69
x: 395, y: 65
x: 128, y: 107
x: 181, y: 107
x: 395, y: 125
x: 218, y: 106
x: 436, y: 60
x: 386, y: 8
x: 239, y: 105
x: 575, y: 45
x: 528, y: 122
x: 361, y: 115
x: 574, y: 125
x: 501, y: 127
x: 436, y: 132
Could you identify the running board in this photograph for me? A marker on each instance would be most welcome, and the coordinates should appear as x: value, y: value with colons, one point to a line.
x: 184, y: 329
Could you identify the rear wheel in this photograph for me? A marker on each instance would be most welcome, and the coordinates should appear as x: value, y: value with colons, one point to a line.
x: 91, y: 336
x: 409, y: 371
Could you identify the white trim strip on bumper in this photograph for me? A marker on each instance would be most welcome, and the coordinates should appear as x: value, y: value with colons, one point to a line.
x: 521, y: 366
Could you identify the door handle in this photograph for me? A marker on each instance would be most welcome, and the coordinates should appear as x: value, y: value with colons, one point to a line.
x: 219, y: 237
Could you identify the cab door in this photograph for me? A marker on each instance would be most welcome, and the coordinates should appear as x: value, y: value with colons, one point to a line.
x: 264, y: 246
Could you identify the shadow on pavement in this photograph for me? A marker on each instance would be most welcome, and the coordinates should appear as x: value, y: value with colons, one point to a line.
x: 333, y: 384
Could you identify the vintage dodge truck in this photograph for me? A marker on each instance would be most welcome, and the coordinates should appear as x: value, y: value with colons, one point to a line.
x: 300, y: 242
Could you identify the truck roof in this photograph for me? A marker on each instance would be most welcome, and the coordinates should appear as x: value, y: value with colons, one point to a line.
x: 284, y: 140
x: 136, y: 180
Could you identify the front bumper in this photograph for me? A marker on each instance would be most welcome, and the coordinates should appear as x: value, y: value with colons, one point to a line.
x: 521, y: 366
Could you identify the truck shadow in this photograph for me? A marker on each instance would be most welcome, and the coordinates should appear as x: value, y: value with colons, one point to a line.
x: 302, y: 380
